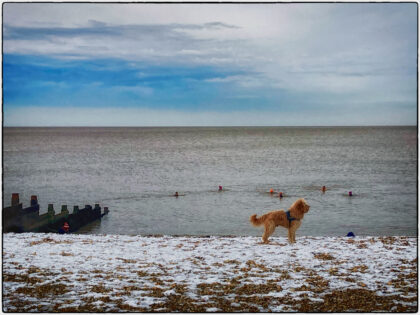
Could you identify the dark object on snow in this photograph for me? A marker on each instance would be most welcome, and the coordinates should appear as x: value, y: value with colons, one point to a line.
x: 350, y: 234
x: 64, y: 229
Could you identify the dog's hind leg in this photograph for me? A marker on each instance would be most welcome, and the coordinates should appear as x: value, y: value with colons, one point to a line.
x: 268, y: 230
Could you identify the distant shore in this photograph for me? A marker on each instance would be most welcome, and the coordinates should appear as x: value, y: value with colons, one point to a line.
x: 115, y: 273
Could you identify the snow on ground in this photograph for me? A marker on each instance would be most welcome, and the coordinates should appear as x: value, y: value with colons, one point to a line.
x: 114, y: 273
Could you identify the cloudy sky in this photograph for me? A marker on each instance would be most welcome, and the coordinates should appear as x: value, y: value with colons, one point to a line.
x: 92, y: 64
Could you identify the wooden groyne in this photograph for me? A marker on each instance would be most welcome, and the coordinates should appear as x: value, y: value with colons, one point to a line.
x: 18, y: 219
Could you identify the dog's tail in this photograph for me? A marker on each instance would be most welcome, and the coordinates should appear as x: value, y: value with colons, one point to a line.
x: 256, y: 221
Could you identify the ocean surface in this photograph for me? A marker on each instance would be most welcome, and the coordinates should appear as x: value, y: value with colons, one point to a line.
x: 136, y: 171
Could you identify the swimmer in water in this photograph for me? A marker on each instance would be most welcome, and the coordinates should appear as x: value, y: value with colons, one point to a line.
x: 220, y: 188
x: 280, y: 195
x: 323, y: 188
x: 271, y: 190
x: 176, y: 194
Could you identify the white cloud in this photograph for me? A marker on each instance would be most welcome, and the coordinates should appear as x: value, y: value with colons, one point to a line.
x: 363, y: 52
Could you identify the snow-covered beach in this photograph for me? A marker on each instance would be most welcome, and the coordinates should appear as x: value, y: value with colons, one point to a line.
x: 115, y: 273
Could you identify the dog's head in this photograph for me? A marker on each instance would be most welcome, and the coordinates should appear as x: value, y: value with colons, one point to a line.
x: 299, y: 208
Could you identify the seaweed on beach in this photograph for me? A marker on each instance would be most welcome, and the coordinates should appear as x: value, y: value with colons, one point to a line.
x: 356, y: 300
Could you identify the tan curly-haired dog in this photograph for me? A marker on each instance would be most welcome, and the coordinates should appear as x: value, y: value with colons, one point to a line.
x: 291, y: 220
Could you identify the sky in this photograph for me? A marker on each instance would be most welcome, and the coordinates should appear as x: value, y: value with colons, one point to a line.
x: 144, y: 64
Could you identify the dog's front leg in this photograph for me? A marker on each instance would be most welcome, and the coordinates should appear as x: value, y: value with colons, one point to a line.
x: 290, y: 235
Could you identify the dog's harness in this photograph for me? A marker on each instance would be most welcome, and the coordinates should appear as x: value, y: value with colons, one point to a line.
x: 290, y: 218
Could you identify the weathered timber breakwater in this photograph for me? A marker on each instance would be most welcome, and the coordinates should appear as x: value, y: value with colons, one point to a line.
x: 18, y: 219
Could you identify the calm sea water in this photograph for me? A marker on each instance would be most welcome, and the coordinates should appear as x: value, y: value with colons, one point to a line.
x: 135, y: 172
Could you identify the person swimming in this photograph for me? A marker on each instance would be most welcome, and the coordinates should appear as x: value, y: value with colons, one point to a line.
x: 220, y: 188
x: 323, y: 188
x: 176, y: 194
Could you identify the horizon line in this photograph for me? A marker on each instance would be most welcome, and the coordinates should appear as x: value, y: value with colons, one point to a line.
x: 216, y: 126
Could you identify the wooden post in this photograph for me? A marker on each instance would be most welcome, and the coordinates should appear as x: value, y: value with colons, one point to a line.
x: 15, y: 199
x: 64, y: 210
x: 51, y: 213
x: 34, y: 200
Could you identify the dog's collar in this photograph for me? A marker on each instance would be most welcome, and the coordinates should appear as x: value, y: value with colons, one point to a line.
x: 290, y: 218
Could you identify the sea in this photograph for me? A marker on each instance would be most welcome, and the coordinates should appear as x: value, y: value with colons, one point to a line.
x: 136, y: 171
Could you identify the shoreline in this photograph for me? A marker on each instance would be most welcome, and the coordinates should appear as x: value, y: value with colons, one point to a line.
x: 115, y: 273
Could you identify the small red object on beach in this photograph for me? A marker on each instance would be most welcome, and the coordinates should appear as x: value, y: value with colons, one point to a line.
x: 271, y: 190
x: 350, y: 194
x: 220, y: 188
x: 66, y: 227
x: 280, y: 195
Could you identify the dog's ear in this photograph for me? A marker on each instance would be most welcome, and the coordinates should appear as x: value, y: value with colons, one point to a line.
x: 297, y: 209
